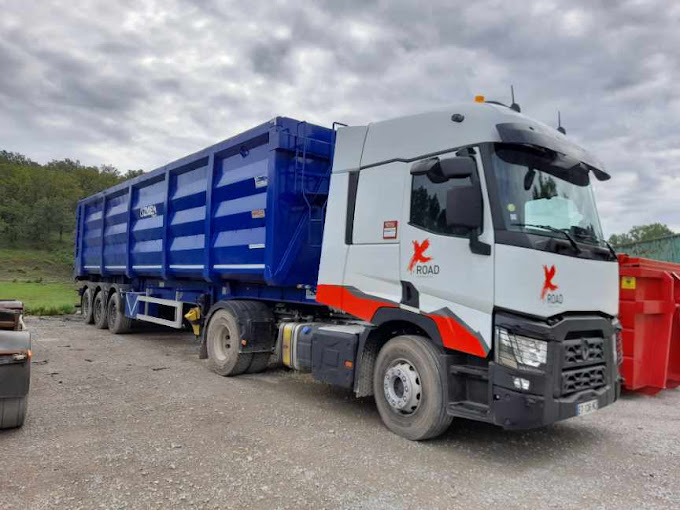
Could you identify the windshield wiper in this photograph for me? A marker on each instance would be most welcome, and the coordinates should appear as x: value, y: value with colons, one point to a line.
x: 583, y: 233
x: 566, y: 234
x: 611, y: 250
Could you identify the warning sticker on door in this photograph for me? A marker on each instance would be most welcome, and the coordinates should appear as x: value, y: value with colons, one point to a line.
x: 390, y: 229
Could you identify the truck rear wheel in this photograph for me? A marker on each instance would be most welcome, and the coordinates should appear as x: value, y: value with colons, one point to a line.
x: 260, y: 362
x: 86, y: 306
x: 99, y: 311
x: 409, y: 390
x: 12, y: 412
x: 118, y: 321
x: 224, y: 343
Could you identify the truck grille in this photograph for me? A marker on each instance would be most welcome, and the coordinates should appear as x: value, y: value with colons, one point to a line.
x: 583, y: 379
x: 583, y: 351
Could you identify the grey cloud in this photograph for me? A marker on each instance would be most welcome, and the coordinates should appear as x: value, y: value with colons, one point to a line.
x: 142, y: 84
x: 271, y: 60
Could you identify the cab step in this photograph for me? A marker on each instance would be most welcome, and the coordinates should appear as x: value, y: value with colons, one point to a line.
x: 469, y: 409
x: 481, y: 372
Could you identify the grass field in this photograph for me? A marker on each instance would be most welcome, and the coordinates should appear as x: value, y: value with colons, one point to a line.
x: 39, y: 278
x: 30, y: 264
x: 42, y: 298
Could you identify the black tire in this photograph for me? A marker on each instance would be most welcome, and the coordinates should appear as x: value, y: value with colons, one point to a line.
x: 13, y: 412
x: 260, y: 362
x: 225, y: 333
x: 118, y: 321
x: 223, y: 341
x: 86, y: 306
x: 99, y: 311
x: 424, y: 416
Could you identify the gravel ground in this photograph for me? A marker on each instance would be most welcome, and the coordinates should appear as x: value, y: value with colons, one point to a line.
x: 138, y: 421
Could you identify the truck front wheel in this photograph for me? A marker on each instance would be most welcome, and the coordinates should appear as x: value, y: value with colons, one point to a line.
x: 409, y: 390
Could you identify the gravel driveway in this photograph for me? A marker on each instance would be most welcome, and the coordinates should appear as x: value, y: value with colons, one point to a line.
x: 138, y: 421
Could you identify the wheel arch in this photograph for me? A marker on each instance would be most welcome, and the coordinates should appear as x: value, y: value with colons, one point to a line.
x: 387, y: 324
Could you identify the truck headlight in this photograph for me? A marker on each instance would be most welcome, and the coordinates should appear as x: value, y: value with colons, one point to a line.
x: 516, y: 351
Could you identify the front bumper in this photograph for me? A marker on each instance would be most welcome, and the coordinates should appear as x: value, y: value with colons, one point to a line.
x: 546, y: 401
x: 514, y: 409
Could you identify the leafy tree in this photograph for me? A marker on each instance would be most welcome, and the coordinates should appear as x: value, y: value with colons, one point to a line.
x: 130, y: 174
x: 641, y: 233
x: 38, y: 202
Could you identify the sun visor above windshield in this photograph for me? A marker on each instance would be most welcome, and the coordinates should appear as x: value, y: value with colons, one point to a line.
x: 521, y: 133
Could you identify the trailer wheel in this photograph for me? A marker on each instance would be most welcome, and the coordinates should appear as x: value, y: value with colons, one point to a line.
x: 118, y: 321
x: 223, y: 342
x: 12, y: 412
x: 99, y: 311
x: 86, y: 306
x: 409, y: 390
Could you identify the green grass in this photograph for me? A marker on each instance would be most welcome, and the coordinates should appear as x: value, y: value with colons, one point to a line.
x: 34, y: 265
x: 42, y: 298
x: 41, y: 278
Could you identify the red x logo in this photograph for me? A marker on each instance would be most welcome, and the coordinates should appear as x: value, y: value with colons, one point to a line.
x: 548, y: 285
x: 419, y: 253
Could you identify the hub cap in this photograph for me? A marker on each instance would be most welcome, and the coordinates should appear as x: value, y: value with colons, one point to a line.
x: 224, y: 343
x: 403, y: 391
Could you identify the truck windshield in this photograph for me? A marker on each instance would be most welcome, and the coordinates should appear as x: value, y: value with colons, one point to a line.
x: 543, y: 192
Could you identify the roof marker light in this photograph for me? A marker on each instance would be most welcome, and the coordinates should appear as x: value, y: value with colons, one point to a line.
x: 479, y: 99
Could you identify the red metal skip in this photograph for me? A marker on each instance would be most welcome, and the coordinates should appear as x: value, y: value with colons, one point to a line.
x: 649, y: 310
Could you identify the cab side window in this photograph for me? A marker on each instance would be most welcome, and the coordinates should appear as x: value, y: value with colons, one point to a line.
x: 428, y: 203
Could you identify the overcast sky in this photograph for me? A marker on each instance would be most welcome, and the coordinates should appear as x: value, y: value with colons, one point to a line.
x: 136, y: 84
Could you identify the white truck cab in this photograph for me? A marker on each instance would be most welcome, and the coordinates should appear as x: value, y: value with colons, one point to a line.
x: 471, y: 234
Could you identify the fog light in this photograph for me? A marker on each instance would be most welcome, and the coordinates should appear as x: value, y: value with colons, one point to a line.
x: 520, y: 383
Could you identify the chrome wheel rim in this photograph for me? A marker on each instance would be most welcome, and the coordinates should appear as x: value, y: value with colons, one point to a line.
x: 402, y: 387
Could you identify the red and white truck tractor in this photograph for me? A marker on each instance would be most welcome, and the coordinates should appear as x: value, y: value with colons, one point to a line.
x: 451, y: 263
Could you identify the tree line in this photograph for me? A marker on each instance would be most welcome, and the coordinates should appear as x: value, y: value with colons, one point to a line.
x: 641, y: 233
x: 38, y: 202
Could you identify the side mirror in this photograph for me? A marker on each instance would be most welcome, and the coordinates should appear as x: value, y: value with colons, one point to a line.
x: 425, y: 166
x: 455, y: 167
x: 464, y: 207
x: 458, y: 167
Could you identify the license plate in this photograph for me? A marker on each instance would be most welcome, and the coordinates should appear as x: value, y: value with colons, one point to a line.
x: 586, y: 408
